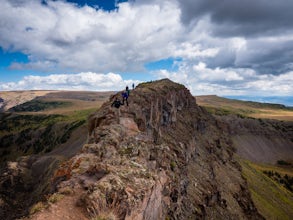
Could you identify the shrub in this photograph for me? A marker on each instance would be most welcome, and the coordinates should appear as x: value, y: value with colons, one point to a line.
x: 283, y: 163
x: 37, y: 207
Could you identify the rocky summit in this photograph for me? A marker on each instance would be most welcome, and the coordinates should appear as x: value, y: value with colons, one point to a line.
x: 160, y: 157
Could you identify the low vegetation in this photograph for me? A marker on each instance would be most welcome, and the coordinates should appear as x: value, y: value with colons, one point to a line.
x: 31, y: 134
x: 37, y: 208
x: 285, y: 180
x: 37, y: 105
x: 283, y: 163
x: 269, y: 193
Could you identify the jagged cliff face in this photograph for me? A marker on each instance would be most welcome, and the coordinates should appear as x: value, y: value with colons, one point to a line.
x: 161, y: 157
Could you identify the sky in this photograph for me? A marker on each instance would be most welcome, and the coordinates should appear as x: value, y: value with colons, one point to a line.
x: 227, y: 48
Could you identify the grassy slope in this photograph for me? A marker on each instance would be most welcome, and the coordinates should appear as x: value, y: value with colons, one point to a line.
x: 272, y: 200
x: 222, y: 106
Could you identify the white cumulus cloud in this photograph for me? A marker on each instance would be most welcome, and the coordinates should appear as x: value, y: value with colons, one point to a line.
x: 81, y: 81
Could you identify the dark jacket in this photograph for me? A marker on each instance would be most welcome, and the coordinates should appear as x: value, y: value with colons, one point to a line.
x: 116, y: 103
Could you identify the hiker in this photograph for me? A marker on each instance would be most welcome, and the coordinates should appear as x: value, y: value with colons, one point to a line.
x: 127, y: 90
x: 132, y: 86
x: 125, y: 97
x: 117, y: 103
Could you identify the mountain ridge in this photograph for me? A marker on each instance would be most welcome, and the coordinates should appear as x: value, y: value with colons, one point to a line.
x: 164, y: 157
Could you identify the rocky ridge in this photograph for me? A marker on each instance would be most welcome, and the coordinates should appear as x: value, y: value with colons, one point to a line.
x: 161, y: 157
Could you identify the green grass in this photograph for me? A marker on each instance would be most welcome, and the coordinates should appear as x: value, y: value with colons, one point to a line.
x: 80, y: 114
x: 16, y: 123
x: 272, y: 200
x: 39, y: 105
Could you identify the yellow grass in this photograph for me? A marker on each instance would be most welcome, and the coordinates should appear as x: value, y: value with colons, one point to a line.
x: 218, y: 105
x: 274, y: 114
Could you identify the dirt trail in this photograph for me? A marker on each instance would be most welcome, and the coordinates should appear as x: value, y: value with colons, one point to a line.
x: 65, y: 208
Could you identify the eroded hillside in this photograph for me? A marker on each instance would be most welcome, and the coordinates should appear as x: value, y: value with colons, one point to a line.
x: 163, y: 158
x: 261, y: 132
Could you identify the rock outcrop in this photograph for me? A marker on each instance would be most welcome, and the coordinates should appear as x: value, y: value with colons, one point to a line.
x: 161, y: 157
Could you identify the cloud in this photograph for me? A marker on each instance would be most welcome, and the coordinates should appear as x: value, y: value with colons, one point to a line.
x: 247, y: 18
x: 62, y: 35
x: 218, y: 46
x: 202, y: 80
x: 86, y: 39
x: 268, y: 55
x: 82, y: 81
x: 191, y: 51
x: 264, y: 31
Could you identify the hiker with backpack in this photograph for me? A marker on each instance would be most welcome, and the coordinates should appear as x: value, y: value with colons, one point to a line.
x: 125, y: 97
x: 117, y: 103
x: 127, y: 90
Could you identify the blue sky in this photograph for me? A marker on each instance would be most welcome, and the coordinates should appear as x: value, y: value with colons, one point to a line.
x: 211, y: 47
x: 107, y: 5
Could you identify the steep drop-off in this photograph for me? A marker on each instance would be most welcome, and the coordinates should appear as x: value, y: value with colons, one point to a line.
x: 31, y: 149
x: 161, y: 157
x: 25, y: 180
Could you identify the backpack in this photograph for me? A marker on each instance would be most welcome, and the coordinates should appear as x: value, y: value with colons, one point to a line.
x: 117, y: 104
x: 125, y: 95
